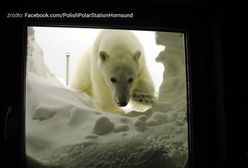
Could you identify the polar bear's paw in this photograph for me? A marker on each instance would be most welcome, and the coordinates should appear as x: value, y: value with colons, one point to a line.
x: 142, y: 97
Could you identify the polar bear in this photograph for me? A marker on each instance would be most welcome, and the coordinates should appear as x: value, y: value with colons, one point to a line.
x: 114, y: 71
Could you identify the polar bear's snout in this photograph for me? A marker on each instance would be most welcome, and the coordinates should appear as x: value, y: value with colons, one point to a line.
x: 122, y: 101
x: 121, y: 96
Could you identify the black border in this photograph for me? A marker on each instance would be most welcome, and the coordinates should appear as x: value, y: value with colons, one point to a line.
x: 189, y: 163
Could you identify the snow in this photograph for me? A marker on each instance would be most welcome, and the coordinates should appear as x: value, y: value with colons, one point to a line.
x: 63, y: 128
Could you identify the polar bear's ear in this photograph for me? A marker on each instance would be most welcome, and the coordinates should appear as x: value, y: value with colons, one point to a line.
x: 137, y: 56
x: 103, y: 55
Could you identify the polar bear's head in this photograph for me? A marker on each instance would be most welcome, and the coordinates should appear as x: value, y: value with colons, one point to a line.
x: 120, y: 73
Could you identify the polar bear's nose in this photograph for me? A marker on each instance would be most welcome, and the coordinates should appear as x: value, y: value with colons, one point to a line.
x: 122, y: 104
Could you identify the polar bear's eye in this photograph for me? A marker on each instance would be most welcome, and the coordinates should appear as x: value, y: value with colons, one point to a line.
x: 130, y: 80
x: 113, y: 80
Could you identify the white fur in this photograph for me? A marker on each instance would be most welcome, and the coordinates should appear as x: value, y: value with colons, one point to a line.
x: 120, y: 60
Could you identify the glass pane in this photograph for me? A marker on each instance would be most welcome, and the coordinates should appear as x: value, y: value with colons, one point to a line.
x: 106, y: 98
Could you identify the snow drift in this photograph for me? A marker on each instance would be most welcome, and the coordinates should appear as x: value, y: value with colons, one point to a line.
x: 64, y: 130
